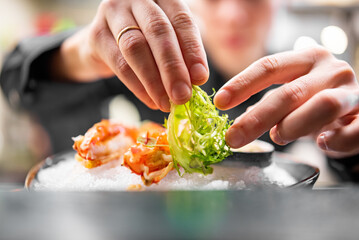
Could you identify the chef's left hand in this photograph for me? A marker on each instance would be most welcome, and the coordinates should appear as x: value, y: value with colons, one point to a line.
x: 319, y: 96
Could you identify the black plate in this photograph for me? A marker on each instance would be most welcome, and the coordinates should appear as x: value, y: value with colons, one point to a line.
x: 302, y: 175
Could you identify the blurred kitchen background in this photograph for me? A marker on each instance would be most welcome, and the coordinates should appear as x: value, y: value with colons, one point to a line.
x: 332, y: 23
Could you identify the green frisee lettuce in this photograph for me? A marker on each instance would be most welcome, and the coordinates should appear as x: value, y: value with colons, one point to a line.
x: 196, y: 134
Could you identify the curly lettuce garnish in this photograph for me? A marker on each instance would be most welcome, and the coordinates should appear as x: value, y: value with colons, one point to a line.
x: 196, y: 133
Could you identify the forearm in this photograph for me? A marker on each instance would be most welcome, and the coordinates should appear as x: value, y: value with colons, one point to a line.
x: 64, y: 63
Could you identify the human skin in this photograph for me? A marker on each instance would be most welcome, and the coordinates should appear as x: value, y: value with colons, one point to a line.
x: 158, y: 63
x: 319, y: 97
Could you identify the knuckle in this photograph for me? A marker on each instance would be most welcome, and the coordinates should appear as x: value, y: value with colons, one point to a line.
x: 239, y: 83
x: 170, y: 65
x: 328, y: 103
x: 122, y: 66
x: 292, y: 94
x: 193, y: 49
x: 132, y: 43
x: 107, y: 4
x: 269, y: 64
x: 343, y: 71
x: 319, y: 52
x: 183, y: 20
x: 158, y: 27
x: 255, y: 122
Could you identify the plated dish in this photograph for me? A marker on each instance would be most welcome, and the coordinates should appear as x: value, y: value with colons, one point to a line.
x: 62, y: 172
x: 187, y: 152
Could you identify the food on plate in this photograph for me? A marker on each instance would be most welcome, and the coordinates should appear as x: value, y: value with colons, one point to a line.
x: 104, y: 142
x: 150, y: 157
x: 144, y: 150
x: 196, y: 134
x: 194, y: 139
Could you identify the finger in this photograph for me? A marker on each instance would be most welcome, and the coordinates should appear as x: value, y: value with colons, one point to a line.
x: 263, y: 99
x: 165, y: 48
x: 277, y: 105
x: 189, y: 39
x: 107, y: 49
x: 287, y: 98
x: 271, y: 110
x: 321, y: 110
x: 276, y: 69
x: 343, y: 140
x: 137, y: 55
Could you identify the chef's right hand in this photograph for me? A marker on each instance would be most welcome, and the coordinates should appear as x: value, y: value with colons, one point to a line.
x: 157, y: 63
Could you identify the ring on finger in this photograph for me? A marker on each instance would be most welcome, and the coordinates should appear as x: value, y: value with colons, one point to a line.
x: 126, y: 29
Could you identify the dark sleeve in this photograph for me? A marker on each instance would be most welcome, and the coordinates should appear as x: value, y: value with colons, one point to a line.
x: 63, y: 109
x: 15, y: 79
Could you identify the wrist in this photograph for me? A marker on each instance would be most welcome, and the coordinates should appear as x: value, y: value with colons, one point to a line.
x: 74, y: 61
x: 64, y: 64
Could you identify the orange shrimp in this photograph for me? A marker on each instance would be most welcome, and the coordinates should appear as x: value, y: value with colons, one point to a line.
x: 104, y: 142
x: 150, y: 157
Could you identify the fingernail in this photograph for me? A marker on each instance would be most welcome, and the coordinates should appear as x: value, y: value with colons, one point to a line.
x: 322, y: 140
x: 165, y: 104
x: 275, y: 136
x: 181, y: 92
x: 235, y: 138
x: 198, y: 72
x: 223, y: 98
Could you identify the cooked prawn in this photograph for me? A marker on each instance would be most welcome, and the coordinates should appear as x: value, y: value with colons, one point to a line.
x: 104, y: 142
x: 150, y: 157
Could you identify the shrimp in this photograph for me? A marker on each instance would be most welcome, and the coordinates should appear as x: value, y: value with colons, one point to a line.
x: 104, y: 142
x: 150, y: 157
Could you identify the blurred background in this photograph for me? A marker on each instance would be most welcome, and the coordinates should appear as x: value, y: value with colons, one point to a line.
x: 332, y: 23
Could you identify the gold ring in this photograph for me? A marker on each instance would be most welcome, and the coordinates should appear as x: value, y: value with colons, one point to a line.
x: 125, y: 30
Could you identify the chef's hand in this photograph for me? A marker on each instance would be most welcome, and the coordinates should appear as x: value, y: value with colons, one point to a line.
x: 157, y: 63
x: 319, y: 96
